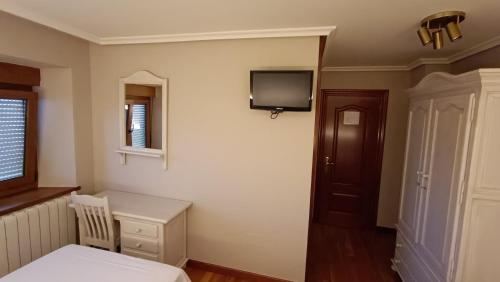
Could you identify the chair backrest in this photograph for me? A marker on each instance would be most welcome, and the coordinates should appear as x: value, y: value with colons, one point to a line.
x: 95, y: 220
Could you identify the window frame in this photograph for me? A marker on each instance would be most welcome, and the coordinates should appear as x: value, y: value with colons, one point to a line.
x: 30, y: 179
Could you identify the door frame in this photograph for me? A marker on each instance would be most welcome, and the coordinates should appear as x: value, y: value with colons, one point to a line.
x: 319, y: 134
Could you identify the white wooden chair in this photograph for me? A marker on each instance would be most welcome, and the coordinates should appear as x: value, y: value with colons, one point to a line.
x: 95, y: 222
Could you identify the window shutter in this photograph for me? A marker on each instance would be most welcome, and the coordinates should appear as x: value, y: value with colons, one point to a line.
x: 139, y: 126
x: 12, y: 138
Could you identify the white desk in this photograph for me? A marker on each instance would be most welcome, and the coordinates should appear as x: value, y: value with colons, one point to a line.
x: 151, y: 227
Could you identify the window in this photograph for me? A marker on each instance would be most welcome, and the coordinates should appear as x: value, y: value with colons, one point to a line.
x: 12, y: 138
x: 18, y: 119
x: 18, y: 140
x: 139, y: 126
x: 138, y: 122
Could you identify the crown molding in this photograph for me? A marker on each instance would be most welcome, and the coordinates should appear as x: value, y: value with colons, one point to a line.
x: 409, y: 67
x: 18, y: 11
x: 427, y: 61
x: 494, y: 42
x: 237, y: 34
x: 30, y: 15
x: 366, y: 68
x: 483, y: 46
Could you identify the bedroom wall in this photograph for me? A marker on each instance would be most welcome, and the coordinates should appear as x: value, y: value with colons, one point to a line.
x: 397, y: 111
x: 486, y: 59
x: 67, y: 156
x: 56, y: 144
x: 422, y: 71
x: 248, y: 176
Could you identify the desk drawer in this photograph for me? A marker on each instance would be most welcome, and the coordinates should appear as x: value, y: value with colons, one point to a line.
x: 140, y: 244
x: 139, y: 228
x: 139, y: 254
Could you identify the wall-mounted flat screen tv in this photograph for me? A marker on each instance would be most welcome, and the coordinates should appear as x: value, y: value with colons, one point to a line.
x: 281, y: 90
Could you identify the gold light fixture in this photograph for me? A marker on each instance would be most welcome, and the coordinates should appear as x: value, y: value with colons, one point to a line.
x: 437, y: 39
x: 453, y: 31
x: 435, y: 23
x: 424, y: 35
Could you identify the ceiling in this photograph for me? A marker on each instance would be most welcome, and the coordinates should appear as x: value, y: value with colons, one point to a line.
x: 368, y: 33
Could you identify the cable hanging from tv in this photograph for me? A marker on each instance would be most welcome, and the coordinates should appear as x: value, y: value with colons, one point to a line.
x: 275, y: 113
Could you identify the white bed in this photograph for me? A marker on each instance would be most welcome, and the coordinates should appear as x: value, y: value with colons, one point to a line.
x: 84, y: 264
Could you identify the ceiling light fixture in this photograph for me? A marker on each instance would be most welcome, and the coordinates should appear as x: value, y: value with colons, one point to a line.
x: 434, y: 24
x: 425, y: 35
x: 453, y: 30
x: 437, y: 39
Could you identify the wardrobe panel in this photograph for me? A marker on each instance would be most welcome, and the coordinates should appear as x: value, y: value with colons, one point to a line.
x: 418, y: 125
x: 482, y: 262
x: 489, y: 180
x: 448, y: 147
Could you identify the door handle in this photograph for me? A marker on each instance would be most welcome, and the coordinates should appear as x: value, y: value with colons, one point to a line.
x: 424, y: 181
x: 419, y: 176
x: 328, y: 161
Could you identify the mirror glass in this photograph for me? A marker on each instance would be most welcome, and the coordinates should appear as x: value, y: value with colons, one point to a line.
x: 143, y: 116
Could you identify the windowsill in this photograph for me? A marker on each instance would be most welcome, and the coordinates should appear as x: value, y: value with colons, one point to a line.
x: 30, y: 198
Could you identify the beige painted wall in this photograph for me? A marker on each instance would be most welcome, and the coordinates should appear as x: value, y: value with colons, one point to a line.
x: 24, y: 42
x: 56, y: 144
x: 397, y: 112
x: 486, y: 59
x: 247, y: 175
x: 422, y: 71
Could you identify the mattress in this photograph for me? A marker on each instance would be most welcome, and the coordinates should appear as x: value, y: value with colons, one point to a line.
x: 84, y: 264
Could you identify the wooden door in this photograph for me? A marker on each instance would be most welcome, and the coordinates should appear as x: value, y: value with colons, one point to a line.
x: 350, y: 153
x: 443, y: 183
x: 416, y: 146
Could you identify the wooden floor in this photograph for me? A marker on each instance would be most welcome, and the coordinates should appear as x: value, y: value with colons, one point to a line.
x: 336, y: 255
x: 199, y: 275
x: 350, y: 255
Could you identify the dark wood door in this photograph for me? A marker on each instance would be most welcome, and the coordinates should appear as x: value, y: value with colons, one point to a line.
x: 350, y: 153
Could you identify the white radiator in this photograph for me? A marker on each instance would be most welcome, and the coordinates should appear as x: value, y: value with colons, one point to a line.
x: 30, y: 233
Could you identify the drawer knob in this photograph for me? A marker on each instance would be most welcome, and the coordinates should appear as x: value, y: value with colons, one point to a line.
x: 138, y: 230
x: 138, y: 245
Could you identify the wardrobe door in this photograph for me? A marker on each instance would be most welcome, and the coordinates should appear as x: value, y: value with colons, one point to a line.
x: 441, y: 185
x: 416, y: 142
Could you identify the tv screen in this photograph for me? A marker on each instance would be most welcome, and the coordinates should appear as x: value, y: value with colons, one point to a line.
x: 281, y: 90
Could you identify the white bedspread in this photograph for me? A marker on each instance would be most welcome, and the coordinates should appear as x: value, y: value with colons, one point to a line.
x: 74, y: 263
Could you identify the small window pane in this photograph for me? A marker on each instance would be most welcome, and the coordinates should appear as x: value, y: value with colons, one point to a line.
x: 139, y: 126
x: 12, y: 138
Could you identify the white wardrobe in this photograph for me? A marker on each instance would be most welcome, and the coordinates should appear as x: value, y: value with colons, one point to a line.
x: 449, y: 218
